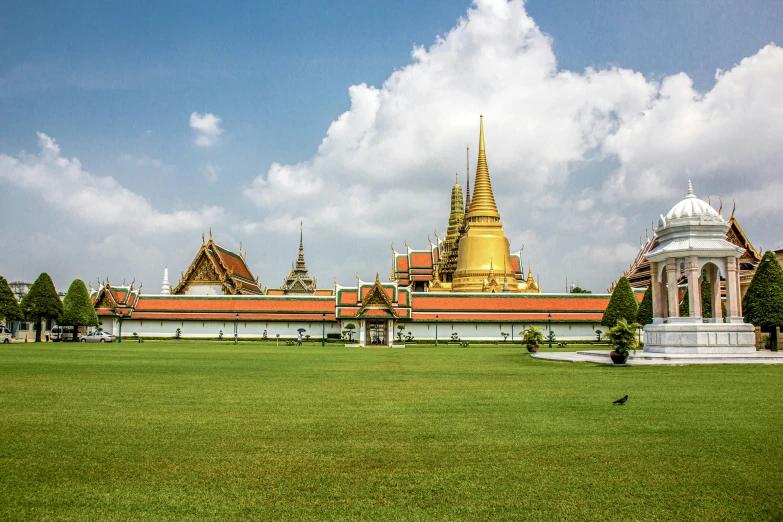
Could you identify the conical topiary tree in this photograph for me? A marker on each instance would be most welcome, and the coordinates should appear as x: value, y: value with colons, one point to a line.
x: 77, y: 307
x: 644, y: 314
x: 42, y: 303
x: 763, y: 302
x: 9, y: 307
x: 623, y: 304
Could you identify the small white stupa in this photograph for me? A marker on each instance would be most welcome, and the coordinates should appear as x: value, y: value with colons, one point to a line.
x: 166, y: 287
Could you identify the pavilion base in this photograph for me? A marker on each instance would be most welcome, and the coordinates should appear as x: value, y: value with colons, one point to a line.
x: 682, y: 337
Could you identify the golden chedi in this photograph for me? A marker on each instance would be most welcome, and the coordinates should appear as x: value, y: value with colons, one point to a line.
x: 484, y: 263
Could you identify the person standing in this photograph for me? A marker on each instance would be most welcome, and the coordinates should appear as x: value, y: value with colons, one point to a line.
x: 299, y: 339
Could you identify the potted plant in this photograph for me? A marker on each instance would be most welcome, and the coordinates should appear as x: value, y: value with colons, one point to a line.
x: 622, y: 337
x: 532, y: 337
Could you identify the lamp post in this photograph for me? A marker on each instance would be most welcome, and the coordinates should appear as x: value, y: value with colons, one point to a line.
x: 549, y: 327
x: 236, y: 329
x: 436, y: 330
x: 323, y: 329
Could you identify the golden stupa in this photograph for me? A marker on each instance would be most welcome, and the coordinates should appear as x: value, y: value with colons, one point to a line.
x: 484, y: 263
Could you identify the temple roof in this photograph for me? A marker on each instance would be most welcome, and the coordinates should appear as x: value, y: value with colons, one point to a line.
x: 299, y: 281
x: 217, y: 265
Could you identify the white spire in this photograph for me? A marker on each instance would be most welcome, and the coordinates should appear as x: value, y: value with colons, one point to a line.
x: 165, y: 288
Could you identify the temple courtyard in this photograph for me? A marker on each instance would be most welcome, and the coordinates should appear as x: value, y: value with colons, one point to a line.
x: 178, y: 430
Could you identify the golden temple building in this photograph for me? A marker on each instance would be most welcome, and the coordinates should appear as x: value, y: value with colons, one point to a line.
x: 475, y: 255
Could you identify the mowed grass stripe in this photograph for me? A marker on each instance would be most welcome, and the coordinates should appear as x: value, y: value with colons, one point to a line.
x: 192, y: 430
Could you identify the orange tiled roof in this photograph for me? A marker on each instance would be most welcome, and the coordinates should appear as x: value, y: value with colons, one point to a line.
x: 510, y: 303
x: 195, y: 304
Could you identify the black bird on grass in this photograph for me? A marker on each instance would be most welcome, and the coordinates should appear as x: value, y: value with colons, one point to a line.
x: 621, y: 401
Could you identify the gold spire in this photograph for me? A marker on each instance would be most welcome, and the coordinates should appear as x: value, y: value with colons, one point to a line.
x: 482, y: 205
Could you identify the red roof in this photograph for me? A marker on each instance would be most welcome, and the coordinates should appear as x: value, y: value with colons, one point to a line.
x: 231, y: 304
x: 420, y: 260
x: 509, y: 303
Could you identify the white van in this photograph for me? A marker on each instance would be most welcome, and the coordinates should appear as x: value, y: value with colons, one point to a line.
x: 5, y: 334
x: 62, y: 333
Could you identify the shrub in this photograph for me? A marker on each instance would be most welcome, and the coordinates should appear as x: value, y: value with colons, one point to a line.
x: 178, y: 333
x: 333, y: 336
x: 9, y: 307
x: 622, y: 305
x: 622, y: 337
x: 532, y: 336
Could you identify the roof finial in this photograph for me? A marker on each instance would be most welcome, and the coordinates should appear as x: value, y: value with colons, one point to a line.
x: 690, y: 190
x: 733, y: 208
x: 721, y: 205
x: 202, y: 237
x: 210, y: 232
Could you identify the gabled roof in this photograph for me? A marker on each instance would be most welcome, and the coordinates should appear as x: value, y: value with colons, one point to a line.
x: 215, y: 264
x: 109, y: 300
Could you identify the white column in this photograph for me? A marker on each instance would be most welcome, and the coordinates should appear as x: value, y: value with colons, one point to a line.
x: 390, y: 333
x: 739, y: 289
x: 694, y: 288
x: 717, y: 312
x: 362, y: 334
x: 671, y: 282
x: 658, y: 305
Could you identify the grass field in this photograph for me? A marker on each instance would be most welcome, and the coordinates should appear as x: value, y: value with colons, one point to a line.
x: 192, y: 430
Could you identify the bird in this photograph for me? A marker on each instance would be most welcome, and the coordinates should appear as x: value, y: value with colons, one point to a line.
x: 621, y: 401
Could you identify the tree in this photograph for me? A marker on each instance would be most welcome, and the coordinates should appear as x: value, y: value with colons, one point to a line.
x: 579, y: 290
x: 763, y: 302
x: 623, y: 304
x: 9, y: 307
x: 77, y: 307
x: 349, y: 328
x: 644, y: 314
x: 42, y: 303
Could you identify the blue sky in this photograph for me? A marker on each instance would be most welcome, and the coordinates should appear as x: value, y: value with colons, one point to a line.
x: 115, y: 85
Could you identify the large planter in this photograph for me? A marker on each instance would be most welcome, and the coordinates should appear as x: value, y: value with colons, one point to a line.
x: 618, y: 358
x: 532, y: 348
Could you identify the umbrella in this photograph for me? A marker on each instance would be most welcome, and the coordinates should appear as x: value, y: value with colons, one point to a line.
x: 300, y: 330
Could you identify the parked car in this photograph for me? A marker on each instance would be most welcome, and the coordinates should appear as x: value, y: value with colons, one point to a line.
x: 63, y: 333
x: 97, y: 337
x: 5, y: 334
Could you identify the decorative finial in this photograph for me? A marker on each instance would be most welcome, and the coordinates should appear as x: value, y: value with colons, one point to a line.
x: 733, y: 208
x: 202, y: 238
x: 456, y: 178
x: 377, y: 277
x: 407, y: 248
x: 240, y: 246
x: 210, y: 232
x: 721, y: 205
x: 690, y: 190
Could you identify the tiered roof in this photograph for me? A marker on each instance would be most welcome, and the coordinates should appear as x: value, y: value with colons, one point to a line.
x: 216, y: 265
x: 299, y: 281
x: 114, y: 300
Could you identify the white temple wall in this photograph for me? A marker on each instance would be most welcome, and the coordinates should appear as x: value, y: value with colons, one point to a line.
x: 491, y: 331
x: 211, y: 329
x: 288, y: 330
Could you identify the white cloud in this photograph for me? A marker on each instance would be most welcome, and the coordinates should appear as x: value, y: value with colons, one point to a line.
x: 98, y: 201
x: 626, y: 144
x: 207, y: 127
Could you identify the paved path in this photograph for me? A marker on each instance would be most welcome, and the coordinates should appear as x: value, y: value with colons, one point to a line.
x: 664, y: 359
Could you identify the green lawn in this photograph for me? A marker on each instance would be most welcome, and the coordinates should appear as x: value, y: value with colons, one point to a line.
x: 192, y: 430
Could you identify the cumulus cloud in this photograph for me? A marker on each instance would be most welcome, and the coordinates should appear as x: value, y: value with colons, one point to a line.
x: 67, y: 186
x: 591, y: 154
x: 207, y: 127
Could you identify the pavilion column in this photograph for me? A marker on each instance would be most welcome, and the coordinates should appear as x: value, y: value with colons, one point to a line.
x: 694, y: 288
x: 717, y: 312
x: 659, y: 306
x: 739, y: 288
x: 390, y: 333
x: 671, y: 282
x: 732, y: 288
